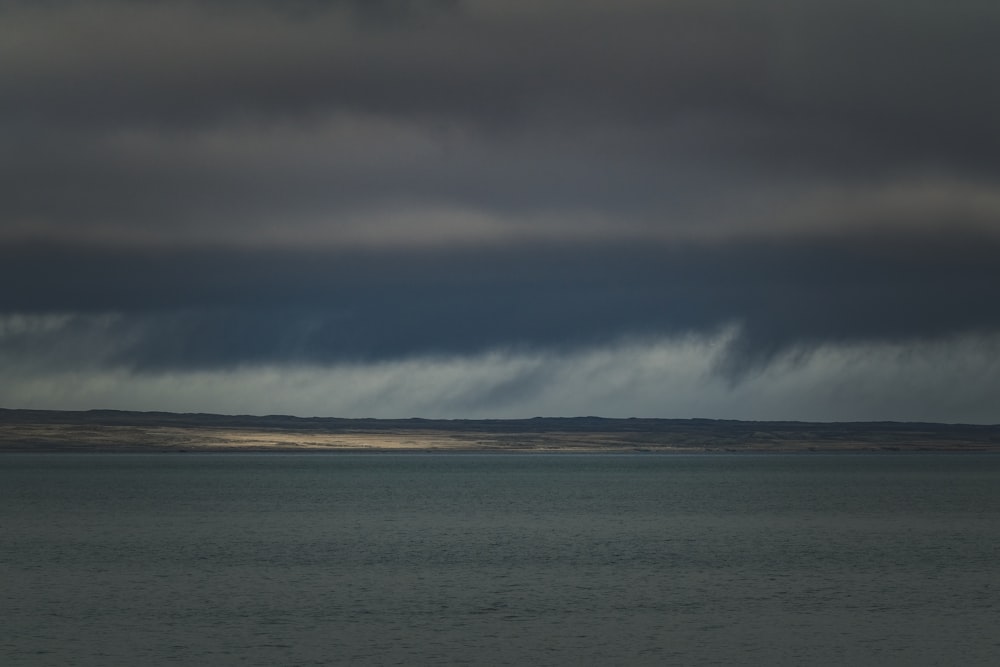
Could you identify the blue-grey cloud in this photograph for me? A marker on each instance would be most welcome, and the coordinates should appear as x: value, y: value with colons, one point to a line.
x: 201, y: 308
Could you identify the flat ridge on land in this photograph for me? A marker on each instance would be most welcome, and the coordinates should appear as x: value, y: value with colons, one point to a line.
x: 113, y: 430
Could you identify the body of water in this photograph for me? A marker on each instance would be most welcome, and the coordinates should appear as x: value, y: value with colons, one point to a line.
x: 422, y: 559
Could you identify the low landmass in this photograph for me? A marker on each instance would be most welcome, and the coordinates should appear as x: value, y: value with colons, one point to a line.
x: 120, y: 431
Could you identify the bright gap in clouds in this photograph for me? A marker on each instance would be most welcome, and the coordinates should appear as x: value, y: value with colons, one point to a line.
x: 948, y: 381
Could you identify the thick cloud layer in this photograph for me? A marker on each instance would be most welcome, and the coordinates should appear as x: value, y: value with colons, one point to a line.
x: 163, y: 119
x: 216, y: 308
x: 207, y: 186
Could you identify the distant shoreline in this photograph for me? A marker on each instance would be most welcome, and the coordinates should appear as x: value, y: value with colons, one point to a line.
x: 114, y: 431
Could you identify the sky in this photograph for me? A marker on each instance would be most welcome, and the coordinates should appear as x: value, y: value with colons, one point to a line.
x: 739, y: 209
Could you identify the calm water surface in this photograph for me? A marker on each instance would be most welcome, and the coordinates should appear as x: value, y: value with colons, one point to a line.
x: 264, y: 559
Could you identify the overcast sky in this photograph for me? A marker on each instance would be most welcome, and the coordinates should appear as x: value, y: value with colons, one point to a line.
x: 752, y: 209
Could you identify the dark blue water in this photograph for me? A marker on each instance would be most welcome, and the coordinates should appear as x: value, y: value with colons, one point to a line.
x: 257, y: 559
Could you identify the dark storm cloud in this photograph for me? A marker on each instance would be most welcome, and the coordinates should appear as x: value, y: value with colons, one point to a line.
x: 836, y: 158
x: 211, y: 308
x: 131, y: 116
x: 177, y: 63
x: 344, y: 176
x: 899, y: 80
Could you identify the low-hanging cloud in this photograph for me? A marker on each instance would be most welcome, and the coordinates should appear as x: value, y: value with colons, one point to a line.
x: 950, y: 380
x: 206, y: 308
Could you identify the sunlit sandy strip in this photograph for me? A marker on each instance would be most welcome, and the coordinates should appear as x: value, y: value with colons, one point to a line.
x: 63, y: 437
